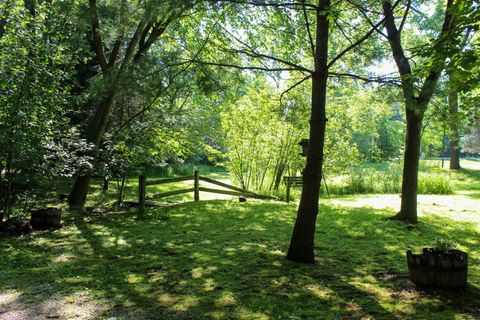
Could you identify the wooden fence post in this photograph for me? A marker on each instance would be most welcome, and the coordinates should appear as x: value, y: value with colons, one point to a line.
x: 105, y: 183
x: 287, y: 196
x: 142, y: 180
x: 196, y: 186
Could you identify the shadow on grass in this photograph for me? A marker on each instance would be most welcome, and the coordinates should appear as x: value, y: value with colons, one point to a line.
x: 225, y: 260
x: 469, y: 180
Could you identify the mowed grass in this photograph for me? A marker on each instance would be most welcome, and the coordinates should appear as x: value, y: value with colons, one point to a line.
x: 222, y: 259
x: 226, y: 260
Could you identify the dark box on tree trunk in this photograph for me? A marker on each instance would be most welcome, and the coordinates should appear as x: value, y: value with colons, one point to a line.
x: 47, y: 218
x: 438, y: 268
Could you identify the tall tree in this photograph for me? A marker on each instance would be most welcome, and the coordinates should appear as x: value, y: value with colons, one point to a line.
x: 301, y: 247
x: 124, y: 53
x: 311, y: 23
x: 302, y: 242
x: 416, y: 103
x: 38, y: 53
x: 453, y: 121
x: 462, y: 78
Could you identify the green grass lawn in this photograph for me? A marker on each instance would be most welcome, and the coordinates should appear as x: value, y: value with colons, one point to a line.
x: 222, y: 259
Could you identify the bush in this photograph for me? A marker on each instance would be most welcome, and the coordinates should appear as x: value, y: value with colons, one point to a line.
x: 368, y: 179
x: 385, y: 178
x: 433, y: 183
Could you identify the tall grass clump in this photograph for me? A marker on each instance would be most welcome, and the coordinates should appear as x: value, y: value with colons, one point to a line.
x: 387, y: 178
x: 434, y: 183
x: 368, y: 179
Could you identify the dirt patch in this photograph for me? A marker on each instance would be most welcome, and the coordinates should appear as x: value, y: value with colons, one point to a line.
x: 16, y: 306
x: 391, y: 275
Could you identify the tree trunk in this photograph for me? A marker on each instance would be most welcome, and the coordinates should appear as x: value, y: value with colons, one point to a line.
x: 97, y: 127
x: 302, y: 242
x: 78, y: 195
x: 278, y: 175
x: 105, y: 184
x: 454, y: 134
x: 415, y: 106
x: 408, y: 210
x: 443, y: 147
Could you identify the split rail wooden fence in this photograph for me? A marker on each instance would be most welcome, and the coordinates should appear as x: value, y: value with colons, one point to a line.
x: 234, y: 191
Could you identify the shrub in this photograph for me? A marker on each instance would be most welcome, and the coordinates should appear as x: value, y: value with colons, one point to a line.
x: 433, y: 183
x: 385, y: 178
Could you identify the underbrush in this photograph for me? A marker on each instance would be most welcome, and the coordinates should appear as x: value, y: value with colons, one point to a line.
x: 380, y: 178
x: 387, y: 178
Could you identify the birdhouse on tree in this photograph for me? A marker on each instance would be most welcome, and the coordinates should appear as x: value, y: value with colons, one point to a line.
x: 305, y: 143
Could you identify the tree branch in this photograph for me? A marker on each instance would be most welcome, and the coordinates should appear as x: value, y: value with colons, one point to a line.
x: 369, y: 21
x: 361, y: 40
x: 115, y: 51
x: 398, y: 54
x: 294, y: 86
x: 293, y: 4
x: 430, y: 82
x: 228, y: 65
x: 97, y: 38
x: 307, y: 24
x: 157, y: 30
x: 365, y: 79
x: 252, y: 53
x: 404, y: 18
x: 161, y: 91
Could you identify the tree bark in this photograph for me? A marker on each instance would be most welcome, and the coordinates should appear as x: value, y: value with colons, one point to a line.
x: 408, y: 211
x: 302, y: 242
x: 78, y: 194
x: 443, y: 147
x: 415, y: 106
x: 278, y: 175
x: 454, y: 134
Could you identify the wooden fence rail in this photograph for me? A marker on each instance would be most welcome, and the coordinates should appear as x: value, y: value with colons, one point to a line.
x: 169, y: 180
x: 143, y: 183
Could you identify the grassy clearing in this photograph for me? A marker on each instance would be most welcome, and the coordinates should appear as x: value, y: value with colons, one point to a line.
x: 225, y: 260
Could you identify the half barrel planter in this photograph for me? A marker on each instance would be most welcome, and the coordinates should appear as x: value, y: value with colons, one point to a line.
x: 438, y: 268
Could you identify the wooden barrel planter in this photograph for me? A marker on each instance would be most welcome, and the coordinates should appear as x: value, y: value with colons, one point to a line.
x: 438, y: 268
x: 48, y: 218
